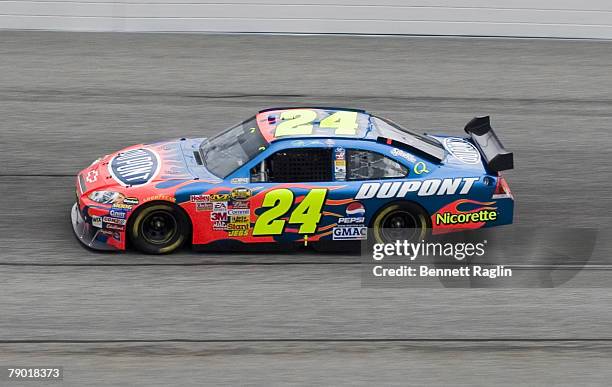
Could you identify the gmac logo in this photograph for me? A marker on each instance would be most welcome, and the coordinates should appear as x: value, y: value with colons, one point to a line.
x: 135, y: 167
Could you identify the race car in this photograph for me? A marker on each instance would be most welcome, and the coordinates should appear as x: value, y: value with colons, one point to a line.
x: 295, y: 175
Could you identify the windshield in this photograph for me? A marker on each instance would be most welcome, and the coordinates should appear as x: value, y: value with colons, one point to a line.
x: 231, y: 149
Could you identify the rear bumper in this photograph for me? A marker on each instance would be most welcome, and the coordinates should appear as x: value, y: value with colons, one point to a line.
x: 87, y: 234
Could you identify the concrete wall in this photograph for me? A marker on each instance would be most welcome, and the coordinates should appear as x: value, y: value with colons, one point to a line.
x: 528, y: 18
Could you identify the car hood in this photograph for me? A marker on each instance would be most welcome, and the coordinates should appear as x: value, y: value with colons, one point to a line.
x: 147, y: 164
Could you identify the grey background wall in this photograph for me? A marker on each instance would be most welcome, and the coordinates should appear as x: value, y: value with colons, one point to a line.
x: 524, y: 18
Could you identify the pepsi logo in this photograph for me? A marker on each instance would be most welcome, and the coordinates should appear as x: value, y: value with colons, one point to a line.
x: 355, y: 209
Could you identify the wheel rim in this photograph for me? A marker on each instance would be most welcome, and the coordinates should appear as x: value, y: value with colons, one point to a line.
x: 159, y: 227
x: 400, y: 225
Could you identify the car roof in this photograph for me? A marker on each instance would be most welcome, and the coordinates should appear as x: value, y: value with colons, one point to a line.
x: 310, y: 121
x: 339, y: 123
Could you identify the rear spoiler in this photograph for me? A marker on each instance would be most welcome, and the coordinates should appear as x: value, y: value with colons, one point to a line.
x: 496, y: 156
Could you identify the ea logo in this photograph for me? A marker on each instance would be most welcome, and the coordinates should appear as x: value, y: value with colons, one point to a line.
x: 92, y: 176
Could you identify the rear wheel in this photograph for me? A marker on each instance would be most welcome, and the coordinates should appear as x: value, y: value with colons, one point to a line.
x: 159, y: 229
x: 400, y: 221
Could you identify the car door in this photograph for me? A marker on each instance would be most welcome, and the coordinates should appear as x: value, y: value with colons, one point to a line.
x: 290, y: 188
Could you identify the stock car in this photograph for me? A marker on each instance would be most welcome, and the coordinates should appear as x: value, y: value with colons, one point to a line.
x: 294, y: 175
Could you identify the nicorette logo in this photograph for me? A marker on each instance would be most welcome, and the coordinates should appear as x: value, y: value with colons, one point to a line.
x: 462, y: 150
x: 473, y: 217
x: 135, y: 167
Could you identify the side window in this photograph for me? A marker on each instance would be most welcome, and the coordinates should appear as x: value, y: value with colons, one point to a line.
x: 367, y: 165
x: 295, y: 166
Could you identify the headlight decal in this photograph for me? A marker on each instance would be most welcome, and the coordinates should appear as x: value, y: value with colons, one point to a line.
x: 104, y: 197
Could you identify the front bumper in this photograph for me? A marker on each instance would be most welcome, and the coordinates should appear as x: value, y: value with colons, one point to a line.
x: 87, y: 234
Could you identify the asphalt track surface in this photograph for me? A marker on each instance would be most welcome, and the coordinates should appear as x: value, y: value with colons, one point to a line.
x: 195, y: 318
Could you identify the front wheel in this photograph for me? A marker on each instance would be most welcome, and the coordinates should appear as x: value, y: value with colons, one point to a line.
x: 159, y: 229
x: 400, y: 221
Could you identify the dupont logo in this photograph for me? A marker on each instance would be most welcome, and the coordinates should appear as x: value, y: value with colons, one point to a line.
x: 134, y: 167
x: 462, y: 150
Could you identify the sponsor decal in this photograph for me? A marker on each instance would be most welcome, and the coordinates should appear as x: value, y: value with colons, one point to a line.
x: 109, y: 220
x: 462, y: 218
x: 420, y: 168
x: 237, y: 230
x: 350, y: 233
x: 92, y: 176
x: 340, y: 153
x: 398, y: 189
x: 463, y: 214
x: 237, y: 226
x: 298, y: 143
x: 351, y: 227
x: 117, y: 213
x: 329, y: 142
x: 216, y: 216
x: 462, y: 150
x: 203, y: 206
x: 355, y: 209
x: 219, y: 197
x: 112, y: 226
x: 403, y: 154
x: 96, y: 221
x: 237, y: 205
x: 219, y: 225
x: 219, y: 206
x: 131, y: 201
x: 340, y: 163
x: 355, y: 212
x: 199, y: 198
x: 135, y: 167
x: 241, y: 194
x: 240, y: 212
x: 166, y: 198
x: 351, y: 220
x: 240, y: 219
x: 121, y: 206
x: 240, y: 180
x: 340, y: 169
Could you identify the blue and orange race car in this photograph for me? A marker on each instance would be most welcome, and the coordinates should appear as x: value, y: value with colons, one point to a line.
x: 295, y: 175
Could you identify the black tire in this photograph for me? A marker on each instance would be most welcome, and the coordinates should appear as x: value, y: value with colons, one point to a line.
x: 159, y: 228
x: 401, y: 221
